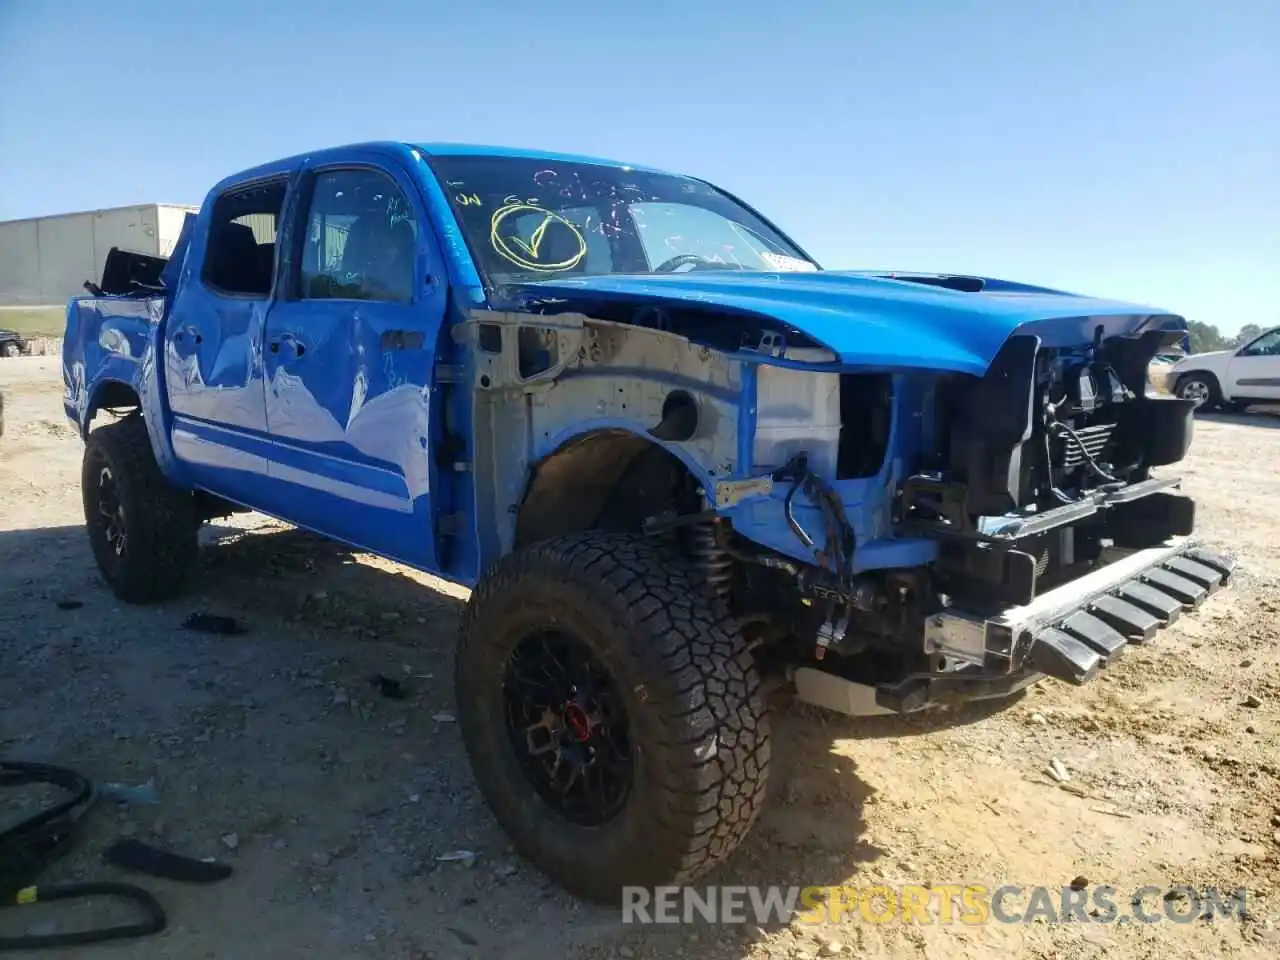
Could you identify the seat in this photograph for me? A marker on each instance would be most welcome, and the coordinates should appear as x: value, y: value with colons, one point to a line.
x: 379, y: 257
x: 561, y: 244
x: 235, y: 262
x: 265, y: 265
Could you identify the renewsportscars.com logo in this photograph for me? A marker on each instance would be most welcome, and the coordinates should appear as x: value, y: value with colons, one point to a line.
x: 971, y: 904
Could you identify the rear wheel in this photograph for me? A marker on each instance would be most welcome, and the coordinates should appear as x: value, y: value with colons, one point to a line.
x: 9, y: 349
x: 612, y: 713
x: 142, y: 530
x: 1200, y: 388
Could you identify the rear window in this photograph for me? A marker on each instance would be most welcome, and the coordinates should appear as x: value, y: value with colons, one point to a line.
x: 241, y: 252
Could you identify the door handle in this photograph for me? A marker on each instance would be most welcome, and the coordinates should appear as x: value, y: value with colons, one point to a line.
x: 296, y: 346
x: 401, y: 340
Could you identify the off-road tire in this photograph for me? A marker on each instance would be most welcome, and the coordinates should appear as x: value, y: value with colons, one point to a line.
x: 1184, y: 385
x: 699, y: 728
x: 161, y: 523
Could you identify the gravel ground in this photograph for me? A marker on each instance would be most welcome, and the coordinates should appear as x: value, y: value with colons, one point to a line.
x: 335, y: 806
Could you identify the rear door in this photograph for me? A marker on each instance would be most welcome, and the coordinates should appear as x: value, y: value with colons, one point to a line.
x: 349, y: 358
x: 213, y: 341
x: 1254, y: 372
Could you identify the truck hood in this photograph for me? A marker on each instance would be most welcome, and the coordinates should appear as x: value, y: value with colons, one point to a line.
x: 871, y: 321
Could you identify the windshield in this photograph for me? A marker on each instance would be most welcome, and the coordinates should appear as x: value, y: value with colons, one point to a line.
x: 539, y: 219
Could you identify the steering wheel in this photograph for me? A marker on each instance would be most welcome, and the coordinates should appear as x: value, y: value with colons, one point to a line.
x: 669, y: 266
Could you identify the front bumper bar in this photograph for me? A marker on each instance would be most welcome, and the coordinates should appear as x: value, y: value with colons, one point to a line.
x: 1069, y: 633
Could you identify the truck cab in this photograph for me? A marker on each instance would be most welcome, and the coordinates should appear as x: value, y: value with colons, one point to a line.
x: 678, y: 462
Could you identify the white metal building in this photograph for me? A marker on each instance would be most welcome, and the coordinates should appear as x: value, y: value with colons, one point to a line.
x: 46, y: 260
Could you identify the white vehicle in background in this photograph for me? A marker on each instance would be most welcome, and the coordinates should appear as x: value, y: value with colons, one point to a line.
x: 1232, y: 379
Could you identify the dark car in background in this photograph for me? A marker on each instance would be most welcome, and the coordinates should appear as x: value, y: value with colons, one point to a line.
x: 11, y: 345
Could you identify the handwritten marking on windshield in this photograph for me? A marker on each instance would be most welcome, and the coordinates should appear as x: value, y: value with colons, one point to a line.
x: 525, y: 253
x: 535, y: 238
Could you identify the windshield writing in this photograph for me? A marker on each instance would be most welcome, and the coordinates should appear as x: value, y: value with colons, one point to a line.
x: 532, y: 219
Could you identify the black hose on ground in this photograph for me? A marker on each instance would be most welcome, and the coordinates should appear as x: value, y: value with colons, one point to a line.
x: 29, y: 847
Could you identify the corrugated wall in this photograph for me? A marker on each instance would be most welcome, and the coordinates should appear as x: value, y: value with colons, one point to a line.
x: 45, y: 261
x: 262, y: 224
x: 20, y: 263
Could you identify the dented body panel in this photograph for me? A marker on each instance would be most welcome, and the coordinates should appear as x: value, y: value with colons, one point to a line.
x: 610, y: 377
x: 873, y: 322
x: 885, y: 467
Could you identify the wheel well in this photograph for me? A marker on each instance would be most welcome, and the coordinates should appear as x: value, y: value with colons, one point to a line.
x: 112, y: 395
x: 610, y: 480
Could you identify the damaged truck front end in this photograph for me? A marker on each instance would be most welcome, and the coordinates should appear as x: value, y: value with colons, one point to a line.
x: 894, y: 528
x: 677, y: 464
x: 1058, y: 545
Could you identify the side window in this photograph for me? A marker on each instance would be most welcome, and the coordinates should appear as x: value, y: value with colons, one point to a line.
x: 241, y: 252
x: 1267, y: 345
x: 360, y: 238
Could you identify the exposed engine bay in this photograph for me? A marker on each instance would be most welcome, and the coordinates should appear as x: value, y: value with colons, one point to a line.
x: 1042, y: 474
x: 923, y: 534
x: 1048, y: 427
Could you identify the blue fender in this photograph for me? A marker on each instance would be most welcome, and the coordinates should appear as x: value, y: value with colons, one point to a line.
x: 112, y: 341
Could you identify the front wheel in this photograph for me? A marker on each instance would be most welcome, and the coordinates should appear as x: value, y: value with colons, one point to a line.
x: 9, y: 349
x: 142, y: 530
x: 1201, y: 389
x: 612, y: 714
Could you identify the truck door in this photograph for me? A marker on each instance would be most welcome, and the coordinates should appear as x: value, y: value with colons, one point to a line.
x: 1254, y: 372
x: 349, y: 358
x: 213, y: 342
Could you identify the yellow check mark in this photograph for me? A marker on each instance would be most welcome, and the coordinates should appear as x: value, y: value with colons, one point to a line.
x: 535, y: 239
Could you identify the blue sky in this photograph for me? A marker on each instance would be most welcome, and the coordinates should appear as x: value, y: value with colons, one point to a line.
x: 1125, y: 148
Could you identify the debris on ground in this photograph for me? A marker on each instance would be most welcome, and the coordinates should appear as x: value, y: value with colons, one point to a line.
x: 214, y: 623
x: 466, y: 939
x: 138, y: 857
x: 389, y: 687
x: 139, y: 793
x: 465, y: 857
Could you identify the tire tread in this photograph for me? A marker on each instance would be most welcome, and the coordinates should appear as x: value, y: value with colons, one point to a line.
x: 162, y: 523
x: 712, y: 761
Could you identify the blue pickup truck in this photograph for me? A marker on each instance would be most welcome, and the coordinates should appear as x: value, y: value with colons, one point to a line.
x: 681, y: 466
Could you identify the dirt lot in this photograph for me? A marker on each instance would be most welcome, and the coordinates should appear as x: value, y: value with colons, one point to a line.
x: 272, y: 751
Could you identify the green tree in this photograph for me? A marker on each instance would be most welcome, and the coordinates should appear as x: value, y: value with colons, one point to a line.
x: 1248, y: 332
x: 1206, y: 337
